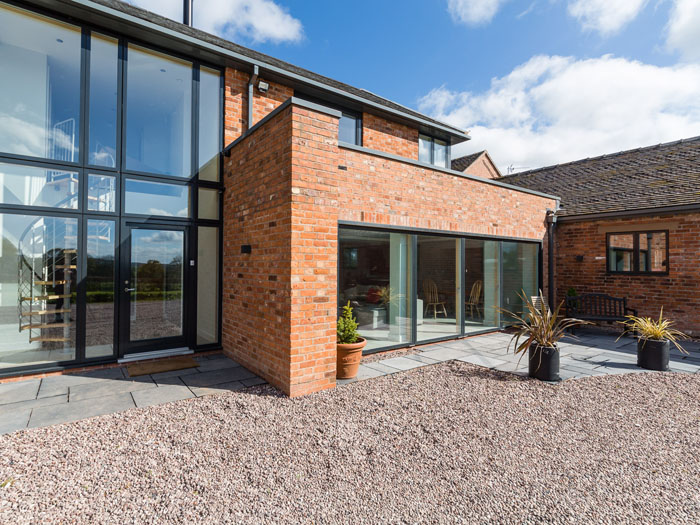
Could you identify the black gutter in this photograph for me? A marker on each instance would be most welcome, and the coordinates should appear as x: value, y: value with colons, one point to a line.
x: 187, y: 12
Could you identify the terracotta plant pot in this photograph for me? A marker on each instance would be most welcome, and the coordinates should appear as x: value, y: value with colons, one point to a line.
x: 348, y: 359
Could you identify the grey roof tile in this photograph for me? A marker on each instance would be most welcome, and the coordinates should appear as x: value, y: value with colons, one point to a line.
x: 639, y: 179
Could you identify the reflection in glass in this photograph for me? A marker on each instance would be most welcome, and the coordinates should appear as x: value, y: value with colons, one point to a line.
x: 347, y: 129
x: 158, y: 113
x: 157, y: 282
x: 99, y: 327
x: 425, y: 145
x: 440, y: 154
x: 40, y: 88
x: 38, y: 279
x: 439, y: 303
x: 102, y: 193
x: 207, y: 285
x: 156, y: 198
x: 621, y: 252
x: 375, y: 277
x: 481, y: 285
x: 208, y: 203
x: 520, y: 276
x: 652, y: 251
x: 209, y: 124
x: 103, y: 100
x: 32, y: 186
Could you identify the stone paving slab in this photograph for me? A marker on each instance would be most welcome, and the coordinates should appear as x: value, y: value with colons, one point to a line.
x: 59, y: 399
x: 107, y: 388
x: 216, y: 377
x: 231, y: 386
x: 481, y: 360
x: 444, y: 354
x: 19, y: 391
x: 160, y: 395
x: 377, y: 365
x: 73, y: 411
x: 15, y: 420
x: 402, y: 363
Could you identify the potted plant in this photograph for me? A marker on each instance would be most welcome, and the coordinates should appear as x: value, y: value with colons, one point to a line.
x: 542, y: 329
x: 654, y: 340
x: 349, y: 345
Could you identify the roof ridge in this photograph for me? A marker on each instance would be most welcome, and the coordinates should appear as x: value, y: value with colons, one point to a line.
x: 605, y: 156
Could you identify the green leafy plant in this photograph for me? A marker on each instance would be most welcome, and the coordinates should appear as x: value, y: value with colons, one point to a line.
x: 654, y: 329
x: 571, y: 292
x: 347, y: 327
x: 538, y: 324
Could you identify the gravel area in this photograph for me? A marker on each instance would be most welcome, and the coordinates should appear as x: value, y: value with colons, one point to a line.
x: 450, y: 443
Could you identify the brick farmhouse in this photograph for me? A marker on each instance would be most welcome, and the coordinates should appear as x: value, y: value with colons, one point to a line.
x: 629, y: 226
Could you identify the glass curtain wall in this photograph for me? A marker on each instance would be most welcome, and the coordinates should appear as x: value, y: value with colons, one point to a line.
x: 411, y: 288
x: 73, y: 173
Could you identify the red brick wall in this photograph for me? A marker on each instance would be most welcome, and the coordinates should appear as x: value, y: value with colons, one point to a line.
x: 678, y: 292
x: 286, y: 190
x: 236, y: 102
x: 389, y: 137
x: 257, y: 286
x: 483, y: 167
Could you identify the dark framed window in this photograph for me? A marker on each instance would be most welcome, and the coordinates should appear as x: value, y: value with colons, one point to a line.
x: 350, y: 128
x: 433, y: 151
x: 644, y: 252
x: 103, y: 132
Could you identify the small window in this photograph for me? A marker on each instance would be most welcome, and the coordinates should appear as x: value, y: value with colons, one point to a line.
x: 638, y: 252
x: 350, y: 128
x: 433, y: 151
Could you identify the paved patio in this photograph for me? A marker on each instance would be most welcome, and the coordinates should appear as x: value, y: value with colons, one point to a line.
x: 60, y: 399
x: 591, y: 353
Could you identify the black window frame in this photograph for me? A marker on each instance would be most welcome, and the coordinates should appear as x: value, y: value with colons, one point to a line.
x: 635, y: 253
x: 83, y: 168
x: 432, y: 139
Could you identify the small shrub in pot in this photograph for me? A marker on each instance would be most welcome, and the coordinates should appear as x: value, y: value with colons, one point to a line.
x: 540, y: 330
x: 654, y: 338
x: 349, y: 345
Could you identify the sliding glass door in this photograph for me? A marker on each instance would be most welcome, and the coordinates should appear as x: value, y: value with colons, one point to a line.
x: 408, y: 288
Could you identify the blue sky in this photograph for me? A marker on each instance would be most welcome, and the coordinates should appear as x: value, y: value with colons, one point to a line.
x: 536, y: 82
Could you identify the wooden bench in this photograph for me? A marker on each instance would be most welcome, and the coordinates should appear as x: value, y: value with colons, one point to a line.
x: 598, y: 307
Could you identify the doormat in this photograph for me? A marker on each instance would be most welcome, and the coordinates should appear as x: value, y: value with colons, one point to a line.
x: 161, y: 365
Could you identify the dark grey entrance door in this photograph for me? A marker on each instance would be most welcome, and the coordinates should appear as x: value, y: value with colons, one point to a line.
x: 153, y: 287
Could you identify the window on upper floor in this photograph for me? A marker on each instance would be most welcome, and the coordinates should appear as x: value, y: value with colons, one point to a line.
x: 638, y: 252
x: 433, y: 151
x: 350, y: 128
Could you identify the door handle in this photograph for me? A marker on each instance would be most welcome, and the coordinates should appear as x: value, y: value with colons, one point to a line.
x: 129, y: 289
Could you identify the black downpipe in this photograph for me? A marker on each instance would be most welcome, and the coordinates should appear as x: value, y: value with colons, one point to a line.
x: 187, y: 12
x: 551, y: 225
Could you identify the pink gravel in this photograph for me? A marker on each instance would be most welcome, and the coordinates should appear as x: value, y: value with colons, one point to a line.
x: 440, y: 444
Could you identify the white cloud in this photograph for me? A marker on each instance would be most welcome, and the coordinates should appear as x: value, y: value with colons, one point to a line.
x: 473, y: 12
x: 605, y: 16
x: 257, y: 20
x: 684, y: 29
x: 555, y: 109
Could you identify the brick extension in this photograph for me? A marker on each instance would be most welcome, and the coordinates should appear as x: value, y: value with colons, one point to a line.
x: 288, y: 185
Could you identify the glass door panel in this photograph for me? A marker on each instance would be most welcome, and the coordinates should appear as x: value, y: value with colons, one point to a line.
x: 154, y: 286
x: 520, y: 276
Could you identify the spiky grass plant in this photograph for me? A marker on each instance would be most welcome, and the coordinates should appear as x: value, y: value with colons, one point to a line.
x: 538, y: 324
x: 654, y: 329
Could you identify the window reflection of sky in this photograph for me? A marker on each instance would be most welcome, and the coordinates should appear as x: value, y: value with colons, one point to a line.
x: 155, y: 198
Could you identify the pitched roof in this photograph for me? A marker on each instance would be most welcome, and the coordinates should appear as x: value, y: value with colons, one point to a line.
x: 462, y: 163
x: 639, y: 179
x: 263, y: 60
